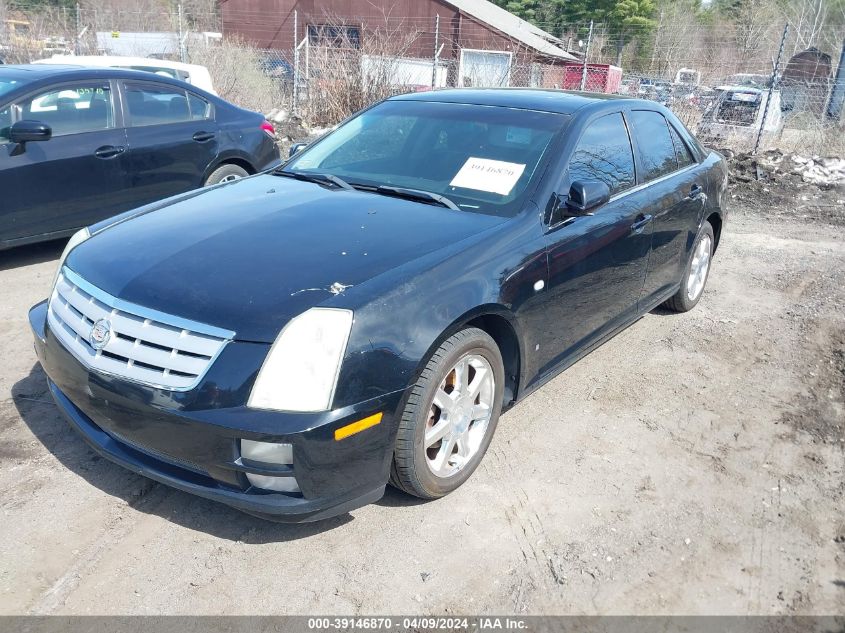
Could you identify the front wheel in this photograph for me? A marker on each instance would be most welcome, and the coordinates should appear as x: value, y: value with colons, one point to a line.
x: 696, y: 272
x: 450, y: 416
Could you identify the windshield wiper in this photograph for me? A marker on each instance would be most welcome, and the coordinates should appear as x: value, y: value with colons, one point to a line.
x: 418, y: 195
x: 316, y: 177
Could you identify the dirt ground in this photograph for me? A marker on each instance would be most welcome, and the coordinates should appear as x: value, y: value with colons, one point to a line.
x: 692, y: 465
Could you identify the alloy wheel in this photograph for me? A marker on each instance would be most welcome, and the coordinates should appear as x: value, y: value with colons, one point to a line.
x: 459, y: 415
x: 699, y: 268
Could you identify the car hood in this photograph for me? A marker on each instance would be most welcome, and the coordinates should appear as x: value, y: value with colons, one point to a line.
x: 250, y: 255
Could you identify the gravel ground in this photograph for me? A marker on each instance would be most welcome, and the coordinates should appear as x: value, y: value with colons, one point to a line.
x: 692, y: 465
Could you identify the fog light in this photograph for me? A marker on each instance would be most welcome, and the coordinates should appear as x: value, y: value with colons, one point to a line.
x: 278, y: 484
x: 267, y: 452
x: 272, y: 454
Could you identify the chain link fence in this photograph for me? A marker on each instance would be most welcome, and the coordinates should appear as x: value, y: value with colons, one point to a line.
x: 761, y: 85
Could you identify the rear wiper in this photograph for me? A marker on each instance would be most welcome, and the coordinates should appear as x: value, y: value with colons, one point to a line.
x: 417, y: 194
x: 316, y: 177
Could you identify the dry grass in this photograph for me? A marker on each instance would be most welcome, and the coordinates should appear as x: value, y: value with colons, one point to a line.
x: 345, y: 78
x: 236, y: 71
x: 815, y: 139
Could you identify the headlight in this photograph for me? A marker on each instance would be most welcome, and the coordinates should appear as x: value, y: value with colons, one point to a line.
x: 75, y: 240
x: 300, y: 372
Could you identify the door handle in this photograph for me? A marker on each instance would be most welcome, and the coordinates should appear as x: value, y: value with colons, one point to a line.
x: 641, y: 222
x: 696, y: 192
x: 109, y: 151
x: 202, y: 137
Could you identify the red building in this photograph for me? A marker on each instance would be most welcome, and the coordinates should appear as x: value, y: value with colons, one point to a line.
x: 474, y: 42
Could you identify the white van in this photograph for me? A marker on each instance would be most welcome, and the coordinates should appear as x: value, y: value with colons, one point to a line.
x: 191, y: 73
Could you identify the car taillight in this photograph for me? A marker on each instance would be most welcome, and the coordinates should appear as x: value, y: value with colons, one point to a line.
x: 268, y: 127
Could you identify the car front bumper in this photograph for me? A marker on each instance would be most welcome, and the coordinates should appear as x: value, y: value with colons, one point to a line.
x: 192, y: 441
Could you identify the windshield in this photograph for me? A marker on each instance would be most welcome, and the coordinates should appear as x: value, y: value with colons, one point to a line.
x: 7, y: 84
x: 482, y: 158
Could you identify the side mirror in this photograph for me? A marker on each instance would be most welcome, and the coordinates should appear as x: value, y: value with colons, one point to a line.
x: 585, y: 195
x: 26, y: 131
x: 296, y: 148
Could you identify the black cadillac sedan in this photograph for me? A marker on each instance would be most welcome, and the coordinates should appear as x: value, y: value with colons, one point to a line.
x: 78, y: 145
x: 372, y: 306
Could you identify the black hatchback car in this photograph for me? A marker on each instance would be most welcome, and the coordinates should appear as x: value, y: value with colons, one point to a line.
x: 376, y: 303
x: 78, y: 145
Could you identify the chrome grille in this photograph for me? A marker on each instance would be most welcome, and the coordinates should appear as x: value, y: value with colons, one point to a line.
x: 144, y: 345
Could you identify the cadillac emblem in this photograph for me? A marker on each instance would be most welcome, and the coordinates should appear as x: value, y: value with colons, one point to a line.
x: 100, y: 334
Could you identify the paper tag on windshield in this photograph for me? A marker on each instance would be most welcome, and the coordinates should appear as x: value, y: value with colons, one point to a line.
x: 483, y: 174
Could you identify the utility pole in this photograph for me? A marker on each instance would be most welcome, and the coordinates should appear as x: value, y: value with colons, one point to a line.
x: 295, y: 105
x: 183, y: 53
x: 837, y: 95
x: 773, y: 85
x: 76, y: 43
x: 436, y: 51
x: 586, y: 55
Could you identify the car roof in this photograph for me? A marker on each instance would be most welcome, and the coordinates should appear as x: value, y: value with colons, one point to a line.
x: 31, y: 70
x: 37, y: 71
x: 102, y: 61
x: 46, y: 72
x: 556, y: 101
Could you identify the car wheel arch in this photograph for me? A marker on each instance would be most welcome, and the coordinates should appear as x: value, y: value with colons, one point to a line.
x: 229, y: 160
x: 503, y: 328
x: 715, y: 220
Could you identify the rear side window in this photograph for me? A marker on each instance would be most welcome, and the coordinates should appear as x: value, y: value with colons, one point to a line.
x: 71, y: 109
x: 682, y: 152
x: 199, y: 107
x: 604, y: 153
x: 656, y: 150
x: 149, y: 104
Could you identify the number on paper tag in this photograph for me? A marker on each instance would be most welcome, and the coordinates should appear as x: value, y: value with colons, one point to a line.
x: 483, y: 174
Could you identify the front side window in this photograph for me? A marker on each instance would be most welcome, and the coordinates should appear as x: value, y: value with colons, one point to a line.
x: 656, y: 150
x: 481, y: 158
x: 604, y: 153
x: 71, y: 109
x: 150, y: 104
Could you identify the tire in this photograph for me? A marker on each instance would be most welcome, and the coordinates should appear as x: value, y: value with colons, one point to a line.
x: 685, y: 299
x: 226, y: 173
x: 414, y: 464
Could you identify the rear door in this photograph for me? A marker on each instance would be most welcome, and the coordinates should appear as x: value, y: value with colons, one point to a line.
x: 77, y: 177
x: 674, y: 180
x: 597, y: 263
x: 172, y: 138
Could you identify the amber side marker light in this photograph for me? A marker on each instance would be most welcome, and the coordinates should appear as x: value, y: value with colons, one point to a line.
x: 357, y: 427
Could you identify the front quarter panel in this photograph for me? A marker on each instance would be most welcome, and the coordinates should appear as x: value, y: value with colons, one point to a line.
x: 402, y: 316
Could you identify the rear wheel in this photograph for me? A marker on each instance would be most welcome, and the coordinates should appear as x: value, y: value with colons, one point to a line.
x: 696, y: 272
x: 226, y: 173
x: 450, y: 416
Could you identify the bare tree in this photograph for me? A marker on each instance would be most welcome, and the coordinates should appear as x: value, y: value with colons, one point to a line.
x: 753, y: 19
x: 348, y: 69
x: 808, y: 19
x: 677, y: 33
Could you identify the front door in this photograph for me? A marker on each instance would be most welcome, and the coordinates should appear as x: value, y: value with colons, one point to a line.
x: 597, y: 264
x: 77, y: 177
